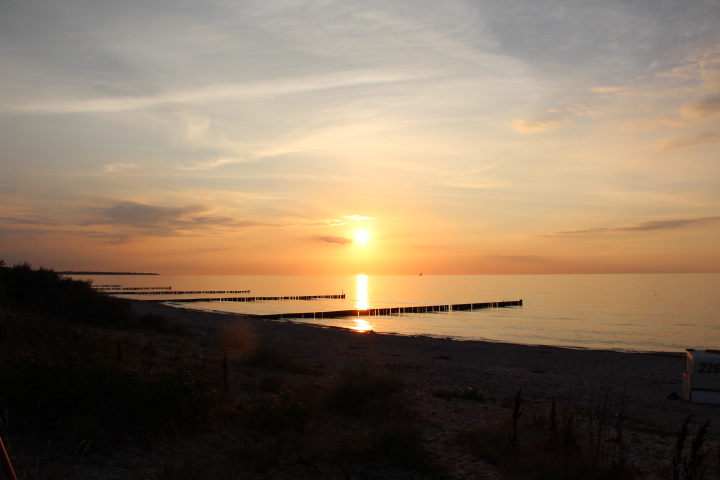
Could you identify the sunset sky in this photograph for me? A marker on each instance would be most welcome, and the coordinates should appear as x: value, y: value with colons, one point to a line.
x: 258, y: 137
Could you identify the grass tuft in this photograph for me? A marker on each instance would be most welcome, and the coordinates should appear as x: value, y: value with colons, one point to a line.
x: 287, y: 413
x: 190, y: 467
x: 466, y: 394
x: 268, y: 357
x: 88, y: 398
x: 488, y: 444
x: 363, y: 393
x: 563, y: 445
x: 403, y: 445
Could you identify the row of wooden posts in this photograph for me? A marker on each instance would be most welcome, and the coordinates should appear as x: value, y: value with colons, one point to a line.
x: 128, y: 289
x: 183, y: 292
x: 397, y: 310
x: 247, y: 299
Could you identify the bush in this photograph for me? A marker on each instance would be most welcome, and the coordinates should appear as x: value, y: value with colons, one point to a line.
x: 26, y: 333
x: 467, y: 394
x: 402, y: 444
x: 488, y: 444
x: 57, y: 396
x: 558, y: 446
x: 362, y: 393
x: 45, y: 292
x: 189, y: 467
x: 178, y: 400
x: 278, y: 414
x: 271, y: 358
x: 399, y: 444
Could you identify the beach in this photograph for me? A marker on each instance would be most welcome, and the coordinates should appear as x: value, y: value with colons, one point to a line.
x: 644, y: 388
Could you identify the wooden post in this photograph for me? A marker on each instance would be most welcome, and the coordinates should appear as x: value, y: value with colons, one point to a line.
x: 7, y: 465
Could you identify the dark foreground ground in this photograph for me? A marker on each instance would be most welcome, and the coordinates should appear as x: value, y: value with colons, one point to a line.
x: 300, y: 401
x: 466, y: 386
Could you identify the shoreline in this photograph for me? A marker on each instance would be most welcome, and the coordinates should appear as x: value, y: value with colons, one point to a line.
x: 647, y: 375
x: 428, y: 335
x: 645, y: 387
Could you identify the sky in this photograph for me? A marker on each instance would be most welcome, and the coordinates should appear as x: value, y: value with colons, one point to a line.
x: 463, y: 136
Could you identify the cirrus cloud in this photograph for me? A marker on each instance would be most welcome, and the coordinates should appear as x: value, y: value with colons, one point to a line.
x: 705, y: 138
x: 703, y: 108
x: 335, y: 240
x: 152, y: 220
x: 644, y: 226
x: 550, y: 120
x: 118, y: 167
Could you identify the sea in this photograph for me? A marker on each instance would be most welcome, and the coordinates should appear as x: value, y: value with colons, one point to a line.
x: 621, y: 312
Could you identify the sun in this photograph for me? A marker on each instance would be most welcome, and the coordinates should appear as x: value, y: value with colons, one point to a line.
x: 361, y: 236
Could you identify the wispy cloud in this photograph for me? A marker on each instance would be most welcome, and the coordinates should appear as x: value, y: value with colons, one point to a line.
x: 608, y: 89
x: 645, y: 226
x: 477, y: 181
x: 358, y: 218
x: 705, y: 138
x: 325, y: 222
x: 164, y: 221
x: 703, y: 108
x: 118, y: 167
x: 700, y: 64
x: 26, y: 221
x: 550, y: 120
x: 217, y: 162
x: 335, y: 240
x: 217, y: 92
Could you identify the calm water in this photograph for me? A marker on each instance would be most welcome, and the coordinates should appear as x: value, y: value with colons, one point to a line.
x: 643, y: 312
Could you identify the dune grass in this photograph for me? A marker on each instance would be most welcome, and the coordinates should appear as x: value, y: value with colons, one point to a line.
x: 64, y: 379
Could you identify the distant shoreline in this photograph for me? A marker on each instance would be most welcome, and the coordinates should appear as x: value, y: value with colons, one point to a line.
x: 105, y: 273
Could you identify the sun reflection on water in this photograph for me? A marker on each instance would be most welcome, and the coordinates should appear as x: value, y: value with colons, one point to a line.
x: 361, y: 302
x: 361, y: 325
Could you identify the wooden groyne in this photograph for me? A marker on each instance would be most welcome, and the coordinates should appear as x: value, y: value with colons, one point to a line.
x: 182, y: 292
x: 128, y: 289
x: 247, y: 299
x: 397, y: 310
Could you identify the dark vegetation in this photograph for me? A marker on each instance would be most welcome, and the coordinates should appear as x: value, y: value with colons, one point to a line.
x: 43, y: 292
x: 581, y: 444
x: 296, y: 424
x: 466, y: 393
x: 63, y: 381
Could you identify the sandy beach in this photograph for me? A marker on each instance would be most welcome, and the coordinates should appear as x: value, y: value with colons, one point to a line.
x: 647, y: 384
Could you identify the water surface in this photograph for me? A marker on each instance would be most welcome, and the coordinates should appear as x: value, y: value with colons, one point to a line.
x: 631, y: 312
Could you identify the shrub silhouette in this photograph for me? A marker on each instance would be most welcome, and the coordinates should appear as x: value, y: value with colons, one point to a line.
x: 45, y: 291
x: 57, y: 379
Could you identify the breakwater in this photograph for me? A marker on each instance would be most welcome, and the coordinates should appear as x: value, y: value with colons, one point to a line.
x: 127, y: 289
x: 248, y: 299
x: 182, y: 292
x: 397, y: 310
